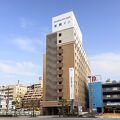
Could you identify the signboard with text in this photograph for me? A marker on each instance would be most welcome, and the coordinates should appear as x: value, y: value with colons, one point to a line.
x: 71, y: 82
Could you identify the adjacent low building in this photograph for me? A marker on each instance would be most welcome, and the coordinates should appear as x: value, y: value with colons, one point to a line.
x: 14, y: 93
x: 95, y: 97
x: 33, y: 96
x: 104, y: 97
x: 5, y: 104
x: 111, y: 96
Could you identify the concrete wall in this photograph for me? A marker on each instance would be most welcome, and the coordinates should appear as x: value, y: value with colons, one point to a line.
x: 51, y: 67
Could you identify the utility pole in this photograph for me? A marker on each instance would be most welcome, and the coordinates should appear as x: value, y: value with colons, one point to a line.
x: 91, y: 95
x: 7, y: 100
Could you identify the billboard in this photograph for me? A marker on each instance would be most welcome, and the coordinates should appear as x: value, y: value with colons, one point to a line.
x: 71, y: 83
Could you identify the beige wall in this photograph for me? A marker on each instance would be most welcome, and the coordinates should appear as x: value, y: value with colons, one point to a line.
x: 67, y: 36
x: 44, y: 76
x: 15, y: 92
x: 51, y: 63
x: 68, y: 62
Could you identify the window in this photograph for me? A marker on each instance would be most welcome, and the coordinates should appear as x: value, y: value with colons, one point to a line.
x: 60, y: 82
x: 55, y: 25
x: 60, y: 98
x: 60, y: 90
x: 60, y: 41
x: 93, y: 104
x: 60, y: 68
x: 74, y: 34
x: 60, y: 24
x: 60, y: 34
x: 60, y: 47
x: 59, y: 61
x: 59, y: 54
x: 60, y: 75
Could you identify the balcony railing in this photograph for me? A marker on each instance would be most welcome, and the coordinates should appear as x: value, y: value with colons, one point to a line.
x: 111, y: 97
x: 60, y: 94
x: 59, y: 57
x: 60, y: 86
x: 111, y: 104
x: 59, y: 65
x: 60, y: 51
x: 111, y: 90
x: 60, y: 72
x: 60, y: 79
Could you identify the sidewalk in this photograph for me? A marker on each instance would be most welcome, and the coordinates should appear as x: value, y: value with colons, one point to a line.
x: 110, y: 115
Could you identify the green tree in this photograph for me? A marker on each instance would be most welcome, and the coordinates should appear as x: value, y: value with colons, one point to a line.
x: 17, y: 105
x: 64, y: 105
x: 33, y: 105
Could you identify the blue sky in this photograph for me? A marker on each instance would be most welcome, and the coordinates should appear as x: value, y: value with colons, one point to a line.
x: 24, y: 24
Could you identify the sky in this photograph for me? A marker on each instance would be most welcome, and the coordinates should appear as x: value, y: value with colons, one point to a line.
x: 25, y: 23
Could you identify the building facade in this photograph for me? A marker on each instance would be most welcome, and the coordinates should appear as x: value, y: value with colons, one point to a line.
x: 14, y: 92
x: 5, y: 104
x: 33, y: 96
x: 111, y: 96
x: 64, y: 51
x: 95, y: 97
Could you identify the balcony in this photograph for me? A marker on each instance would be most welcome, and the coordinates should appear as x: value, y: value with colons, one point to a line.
x: 111, y: 91
x: 60, y: 86
x: 59, y: 57
x: 116, y: 104
x: 111, y: 97
x: 60, y: 51
x: 60, y: 79
x: 60, y: 94
x: 60, y: 72
x: 52, y: 47
x: 59, y: 65
x: 108, y: 85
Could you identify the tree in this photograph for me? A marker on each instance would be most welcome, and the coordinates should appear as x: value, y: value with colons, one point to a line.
x: 64, y: 104
x: 17, y: 105
x: 33, y: 105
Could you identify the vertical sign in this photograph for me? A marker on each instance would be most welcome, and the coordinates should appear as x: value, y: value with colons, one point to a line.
x: 71, y: 83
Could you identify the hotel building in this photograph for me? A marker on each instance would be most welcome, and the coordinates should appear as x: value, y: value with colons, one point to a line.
x: 65, y: 65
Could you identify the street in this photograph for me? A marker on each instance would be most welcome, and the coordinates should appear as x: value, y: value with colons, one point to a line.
x: 54, y: 118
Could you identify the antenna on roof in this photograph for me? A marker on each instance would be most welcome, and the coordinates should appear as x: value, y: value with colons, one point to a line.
x: 18, y: 82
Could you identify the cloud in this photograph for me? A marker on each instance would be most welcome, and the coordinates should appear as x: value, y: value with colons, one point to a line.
x: 32, y: 45
x: 25, y: 44
x: 18, y: 68
x: 107, y: 65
